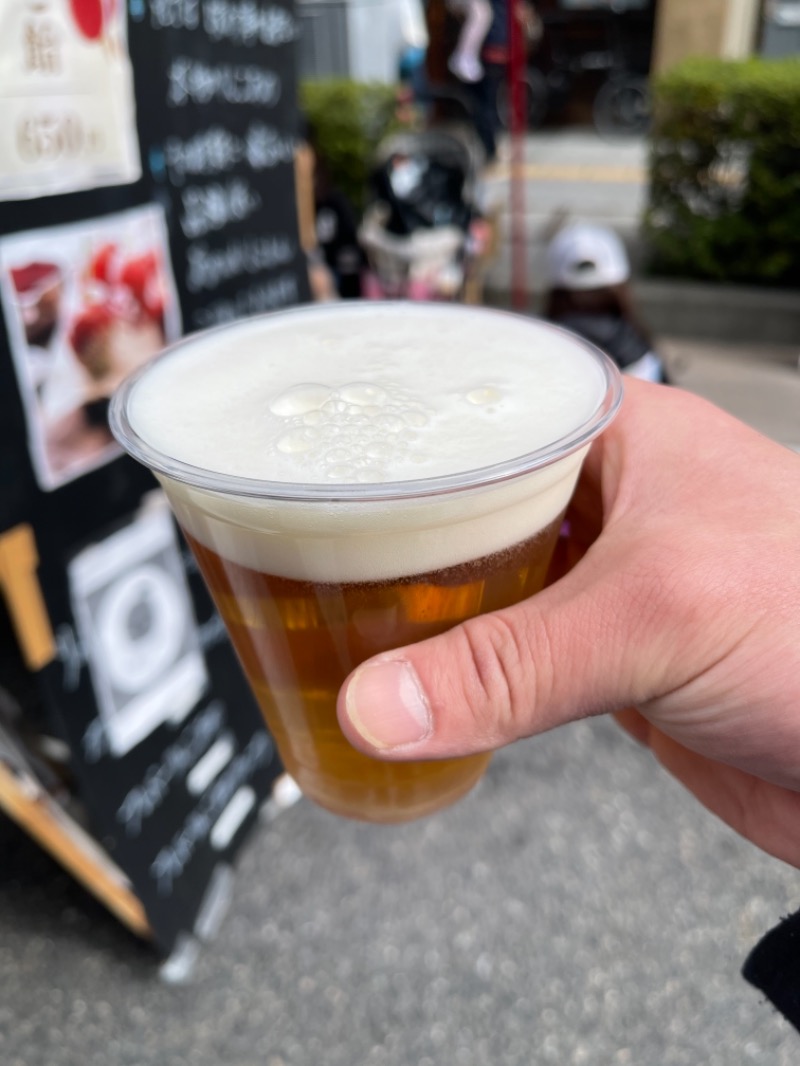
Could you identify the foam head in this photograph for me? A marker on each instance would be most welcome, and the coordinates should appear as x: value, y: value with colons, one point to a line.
x: 357, y: 423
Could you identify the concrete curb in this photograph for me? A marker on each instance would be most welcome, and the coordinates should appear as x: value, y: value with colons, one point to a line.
x: 728, y: 313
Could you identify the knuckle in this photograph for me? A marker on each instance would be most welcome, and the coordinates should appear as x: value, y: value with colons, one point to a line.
x: 496, y: 674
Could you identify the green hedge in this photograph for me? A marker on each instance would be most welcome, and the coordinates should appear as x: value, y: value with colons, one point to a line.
x: 347, y: 121
x: 725, y: 172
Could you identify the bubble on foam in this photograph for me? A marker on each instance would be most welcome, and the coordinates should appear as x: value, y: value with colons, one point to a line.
x: 300, y: 400
x: 417, y: 419
x: 379, y: 450
x: 297, y: 442
x: 338, y: 455
x: 342, y: 432
x: 485, y: 394
x: 389, y: 424
x: 363, y: 394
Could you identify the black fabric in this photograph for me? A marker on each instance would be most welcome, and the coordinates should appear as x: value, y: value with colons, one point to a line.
x: 611, y: 333
x: 773, y: 966
x: 498, y: 30
x: 483, y: 106
x: 337, y: 235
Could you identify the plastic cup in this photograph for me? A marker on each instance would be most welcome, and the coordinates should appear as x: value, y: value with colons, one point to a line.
x: 314, y: 575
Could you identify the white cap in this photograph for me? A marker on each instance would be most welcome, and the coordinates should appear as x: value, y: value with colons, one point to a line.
x: 586, y: 257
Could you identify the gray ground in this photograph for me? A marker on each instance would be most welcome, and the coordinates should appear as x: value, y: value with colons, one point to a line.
x: 577, y: 908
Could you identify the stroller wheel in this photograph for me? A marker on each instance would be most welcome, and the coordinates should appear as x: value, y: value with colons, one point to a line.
x: 622, y: 107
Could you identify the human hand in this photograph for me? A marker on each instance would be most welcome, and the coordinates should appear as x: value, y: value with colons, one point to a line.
x: 681, y: 613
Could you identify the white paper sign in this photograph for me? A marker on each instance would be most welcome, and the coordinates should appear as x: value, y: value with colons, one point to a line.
x: 135, y: 621
x: 66, y: 93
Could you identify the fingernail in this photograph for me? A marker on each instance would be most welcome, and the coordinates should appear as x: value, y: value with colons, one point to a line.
x: 386, y: 705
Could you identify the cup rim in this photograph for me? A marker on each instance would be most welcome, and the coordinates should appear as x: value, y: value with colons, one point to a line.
x: 233, y: 485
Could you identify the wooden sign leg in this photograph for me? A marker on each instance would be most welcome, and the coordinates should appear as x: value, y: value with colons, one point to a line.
x: 21, y: 796
x: 19, y: 561
x: 50, y: 826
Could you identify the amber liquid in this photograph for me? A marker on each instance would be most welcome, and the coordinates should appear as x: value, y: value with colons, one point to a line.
x: 298, y: 640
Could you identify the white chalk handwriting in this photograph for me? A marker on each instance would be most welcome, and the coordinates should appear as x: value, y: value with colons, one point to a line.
x: 216, y: 150
x: 243, y: 22
x: 248, y: 22
x: 212, y: 151
x: 263, y: 296
x: 95, y: 741
x: 193, y: 81
x: 212, y: 632
x: 175, y: 762
x: 72, y: 655
x: 171, y: 861
x: 211, y: 207
x: 209, y: 267
x: 265, y: 147
x: 175, y: 14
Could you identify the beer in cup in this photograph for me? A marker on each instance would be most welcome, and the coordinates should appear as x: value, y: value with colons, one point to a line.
x: 354, y: 477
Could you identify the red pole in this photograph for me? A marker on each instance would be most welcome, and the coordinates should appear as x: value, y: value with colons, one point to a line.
x: 516, y: 94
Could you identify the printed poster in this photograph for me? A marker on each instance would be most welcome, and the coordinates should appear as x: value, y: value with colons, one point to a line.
x: 66, y: 93
x: 85, y: 305
x: 136, y: 624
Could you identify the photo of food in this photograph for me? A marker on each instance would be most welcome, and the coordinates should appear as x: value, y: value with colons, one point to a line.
x: 84, y: 305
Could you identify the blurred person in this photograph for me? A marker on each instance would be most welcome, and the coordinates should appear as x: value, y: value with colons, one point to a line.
x: 484, y: 91
x: 675, y: 605
x: 413, y: 32
x: 477, y: 18
x: 337, y: 236
x: 495, y: 55
x: 590, y: 294
x: 328, y: 224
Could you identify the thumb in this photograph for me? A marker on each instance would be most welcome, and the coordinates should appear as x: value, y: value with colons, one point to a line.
x: 573, y: 650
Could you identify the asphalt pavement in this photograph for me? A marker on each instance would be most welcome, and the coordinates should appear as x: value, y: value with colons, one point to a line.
x: 577, y: 909
x: 758, y: 383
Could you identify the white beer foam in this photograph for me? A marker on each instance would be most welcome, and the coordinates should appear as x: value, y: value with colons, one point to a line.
x: 370, y: 541
x: 368, y: 394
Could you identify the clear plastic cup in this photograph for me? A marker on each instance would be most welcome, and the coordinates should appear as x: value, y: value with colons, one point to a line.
x: 313, y: 576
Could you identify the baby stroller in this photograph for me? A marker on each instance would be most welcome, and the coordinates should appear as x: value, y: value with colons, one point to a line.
x: 415, y: 233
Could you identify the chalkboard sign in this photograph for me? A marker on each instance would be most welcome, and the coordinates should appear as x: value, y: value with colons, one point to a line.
x: 172, y: 754
x: 133, y: 672
x: 167, y: 751
x: 216, y: 101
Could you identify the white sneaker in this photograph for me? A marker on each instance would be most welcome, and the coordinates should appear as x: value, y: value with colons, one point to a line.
x: 465, y: 68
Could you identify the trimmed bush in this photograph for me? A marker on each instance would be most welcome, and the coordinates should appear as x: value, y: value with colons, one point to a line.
x: 725, y: 172
x: 347, y: 122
